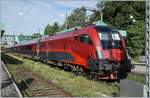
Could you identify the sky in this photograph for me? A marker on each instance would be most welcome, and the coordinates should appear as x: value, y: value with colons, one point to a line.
x: 29, y: 16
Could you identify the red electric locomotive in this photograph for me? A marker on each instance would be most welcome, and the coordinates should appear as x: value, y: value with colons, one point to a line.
x: 98, y: 51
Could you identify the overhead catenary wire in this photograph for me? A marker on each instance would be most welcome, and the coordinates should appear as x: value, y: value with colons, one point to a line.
x: 21, y: 10
x: 25, y: 14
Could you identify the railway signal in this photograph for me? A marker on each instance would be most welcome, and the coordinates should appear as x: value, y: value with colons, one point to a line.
x: 2, y: 32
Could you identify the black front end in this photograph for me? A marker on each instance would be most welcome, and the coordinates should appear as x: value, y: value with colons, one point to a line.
x: 97, y: 65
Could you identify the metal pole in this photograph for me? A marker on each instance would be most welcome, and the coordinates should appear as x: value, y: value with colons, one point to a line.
x: 66, y: 24
x: 14, y: 40
x: 147, y: 50
x: 101, y: 16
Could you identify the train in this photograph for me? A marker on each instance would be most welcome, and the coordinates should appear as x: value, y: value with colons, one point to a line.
x: 96, y: 51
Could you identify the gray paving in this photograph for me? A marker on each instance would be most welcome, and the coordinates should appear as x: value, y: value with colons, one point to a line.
x: 139, y: 69
x: 7, y: 87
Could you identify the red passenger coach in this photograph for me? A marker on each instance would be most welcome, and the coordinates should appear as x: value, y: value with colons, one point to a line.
x: 93, y: 50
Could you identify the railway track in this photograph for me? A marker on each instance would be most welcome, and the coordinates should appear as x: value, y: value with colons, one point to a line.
x: 35, y: 86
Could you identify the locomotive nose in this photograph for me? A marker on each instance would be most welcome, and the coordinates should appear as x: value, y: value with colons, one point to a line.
x: 117, y: 54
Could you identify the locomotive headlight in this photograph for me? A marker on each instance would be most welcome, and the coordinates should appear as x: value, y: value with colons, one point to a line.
x: 99, y: 53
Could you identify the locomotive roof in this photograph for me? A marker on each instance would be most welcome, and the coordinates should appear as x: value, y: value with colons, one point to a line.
x: 62, y: 34
x: 69, y: 33
x: 106, y: 29
x: 33, y: 41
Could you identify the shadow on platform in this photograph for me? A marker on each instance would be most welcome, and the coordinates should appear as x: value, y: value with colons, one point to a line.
x: 6, y: 83
x: 10, y: 60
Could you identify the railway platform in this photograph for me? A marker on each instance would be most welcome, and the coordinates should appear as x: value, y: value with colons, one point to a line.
x: 8, y: 87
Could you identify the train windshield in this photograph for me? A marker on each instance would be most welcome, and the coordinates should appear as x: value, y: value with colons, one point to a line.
x: 105, y: 40
x: 116, y: 41
x: 109, y: 38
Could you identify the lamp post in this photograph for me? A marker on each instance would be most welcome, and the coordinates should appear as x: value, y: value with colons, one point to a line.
x: 66, y: 23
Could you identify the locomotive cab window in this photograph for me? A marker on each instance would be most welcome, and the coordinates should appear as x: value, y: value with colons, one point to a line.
x: 105, y: 40
x: 85, y: 39
x: 115, y: 36
x: 109, y: 37
x: 116, y: 41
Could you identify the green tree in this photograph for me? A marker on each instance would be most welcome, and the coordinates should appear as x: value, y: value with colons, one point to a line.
x: 51, y: 29
x: 117, y: 13
x: 135, y: 39
x: 36, y: 35
x: 76, y: 18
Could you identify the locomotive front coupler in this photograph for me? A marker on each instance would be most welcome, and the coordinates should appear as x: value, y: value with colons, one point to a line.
x: 102, y: 65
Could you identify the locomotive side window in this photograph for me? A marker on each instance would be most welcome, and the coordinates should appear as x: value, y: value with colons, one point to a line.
x: 85, y: 39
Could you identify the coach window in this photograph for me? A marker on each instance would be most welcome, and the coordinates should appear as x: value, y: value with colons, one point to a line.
x: 85, y: 39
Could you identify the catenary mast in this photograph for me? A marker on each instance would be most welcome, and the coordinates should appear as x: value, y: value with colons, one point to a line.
x: 147, y: 48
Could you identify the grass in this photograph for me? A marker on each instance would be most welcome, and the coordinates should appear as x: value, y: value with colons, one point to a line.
x: 136, y: 77
x: 78, y: 86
